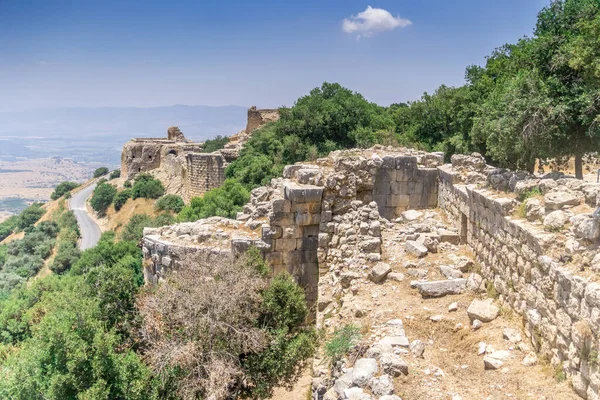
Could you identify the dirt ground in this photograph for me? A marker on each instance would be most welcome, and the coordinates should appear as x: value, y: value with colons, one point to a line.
x: 451, y: 368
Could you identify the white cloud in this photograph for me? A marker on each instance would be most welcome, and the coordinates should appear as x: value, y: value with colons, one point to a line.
x: 372, y: 21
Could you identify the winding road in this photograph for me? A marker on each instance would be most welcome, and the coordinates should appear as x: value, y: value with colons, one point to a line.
x: 90, y: 231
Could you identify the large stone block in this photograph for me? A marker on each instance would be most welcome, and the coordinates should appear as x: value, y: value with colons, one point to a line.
x: 302, y: 193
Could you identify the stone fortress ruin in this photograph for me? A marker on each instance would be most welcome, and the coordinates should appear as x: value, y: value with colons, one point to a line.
x: 181, y: 164
x: 323, y: 221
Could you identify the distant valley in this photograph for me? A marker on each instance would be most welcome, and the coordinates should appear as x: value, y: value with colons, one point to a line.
x: 41, y: 148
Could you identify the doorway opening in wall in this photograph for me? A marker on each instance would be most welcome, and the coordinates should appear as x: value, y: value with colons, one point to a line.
x: 173, y: 152
x: 464, y: 223
x: 140, y: 169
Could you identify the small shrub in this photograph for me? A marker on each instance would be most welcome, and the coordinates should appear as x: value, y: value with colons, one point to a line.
x: 115, y: 174
x: 215, y: 144
x: 121, y: 198
x: 148, y: 187
x: 62, y: 189
x: 100, y: 172
x: 342, y: 342
x: 491, y: 290
x: 127, y: 184
x: 521, y: 210
x: 135, y: 227
x: 533, y: 192
x: 30, y: 216
x: 170, y: 202
x: 66, y: 256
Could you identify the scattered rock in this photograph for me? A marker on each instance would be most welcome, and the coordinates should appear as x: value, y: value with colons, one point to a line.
x: 475, y: 282
x: 436, y: 318
x: 411, y: 215
x: 555, y: 220
x: 441, y: 288
x: 481, y: 348
x: 530, y: 360
x: 417, y: 348
x: 393, y: 364
x: 492, y: 363
x: 512, y: 335
x: 378, y: 349
x: 401, y: 341
x: 342, y: 383
x: 533, y: 209
x: 347, y: 277
x: 364, y: 369
x: 396, y: 276
x: 392, y: 397
x: 356, y: 393
x: 416, y: 249
x: 449, y: 272
x: 476, y: 324
x: 379, y: 272
x: 558, y: 200
x: 382, y: 386
x: 453, y: 307
x: 482, y: 310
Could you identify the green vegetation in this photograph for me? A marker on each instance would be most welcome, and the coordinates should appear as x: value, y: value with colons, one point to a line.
x: 147, y: 186
x: 258, y: 328
x: 127, y: 184
x: 67, y: 252
x: 170, y: 202
x: 102, y: 198
x: 100, y: 172
x: 534, y: 192
x: 121, y: 198
x: 224, y: 201
x: 70, y: 335
x: 115, y: 174
x: 62, y: 189
x: 342, y: 341
x: 135, y: 227
x: 8, y: 227
x: 217, y: 143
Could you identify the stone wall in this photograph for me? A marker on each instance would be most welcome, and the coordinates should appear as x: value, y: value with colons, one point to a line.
x: 258, y: 117
x: 534, y: 271
x: 204, y: 171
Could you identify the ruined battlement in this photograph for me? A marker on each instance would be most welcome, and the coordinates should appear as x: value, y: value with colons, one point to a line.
x: 322, y: 222
x: 177, y: 159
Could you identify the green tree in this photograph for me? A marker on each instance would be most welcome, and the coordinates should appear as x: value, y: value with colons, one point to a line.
x: 62, y: 189
x: 100, y: 172
x: 115, y: 174
x: 170, y: 202
x: 103, y: 197
x: 224, y: 201
x: 121, y: 198
x: 217, y: 143
x: 147, y: 186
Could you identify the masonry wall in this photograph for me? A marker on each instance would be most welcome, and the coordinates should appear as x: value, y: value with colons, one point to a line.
x: 560, y: 310
x: 203, y: 173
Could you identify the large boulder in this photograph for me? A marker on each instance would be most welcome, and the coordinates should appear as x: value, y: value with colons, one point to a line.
x: 533, y: 209
x: 586, y: 227
x: 393, y: 364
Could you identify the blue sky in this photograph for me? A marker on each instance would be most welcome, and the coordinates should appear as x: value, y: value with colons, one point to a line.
x: 153, y: 53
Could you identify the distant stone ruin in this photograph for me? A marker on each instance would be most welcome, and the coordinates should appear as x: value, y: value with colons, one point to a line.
x: 180, y: 163
x: 322, y: 223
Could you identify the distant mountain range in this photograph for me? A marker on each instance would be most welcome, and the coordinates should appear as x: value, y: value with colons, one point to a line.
x: 97, y: 134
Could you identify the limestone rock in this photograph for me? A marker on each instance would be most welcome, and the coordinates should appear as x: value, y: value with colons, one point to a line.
x: 555, y: 220
x: 482, y: 310
x: 453, y: 307
x: 558, y: 200
x: 397, y: 340
x: 417, y: 348
x: 586, y: 227
x: 391, y: 397
x: 396, y: 276
x: 379, y: 272
x: 492, y: 363
x: 449, y: 272
x: 411, y: 215
x: 342, y: 383
x: 533, y: 209
x: 530, y: 359
x: 378, y: 349
x: 364, y: 370
x: 356, y: 394
x: 347, y: 277
x: 382, y: 386
x: 393, y: 364
x: 416, y: 248
x: 441, y: 288
x: 512, y: 335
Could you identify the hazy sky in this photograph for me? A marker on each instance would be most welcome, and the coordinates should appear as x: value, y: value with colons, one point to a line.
x: 153, y: 53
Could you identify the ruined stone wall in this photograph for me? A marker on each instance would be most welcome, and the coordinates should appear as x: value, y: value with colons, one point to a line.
x: 559, y: 305
x: 140, y: 155
x: 204, y: 171
x: 259, y: 117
